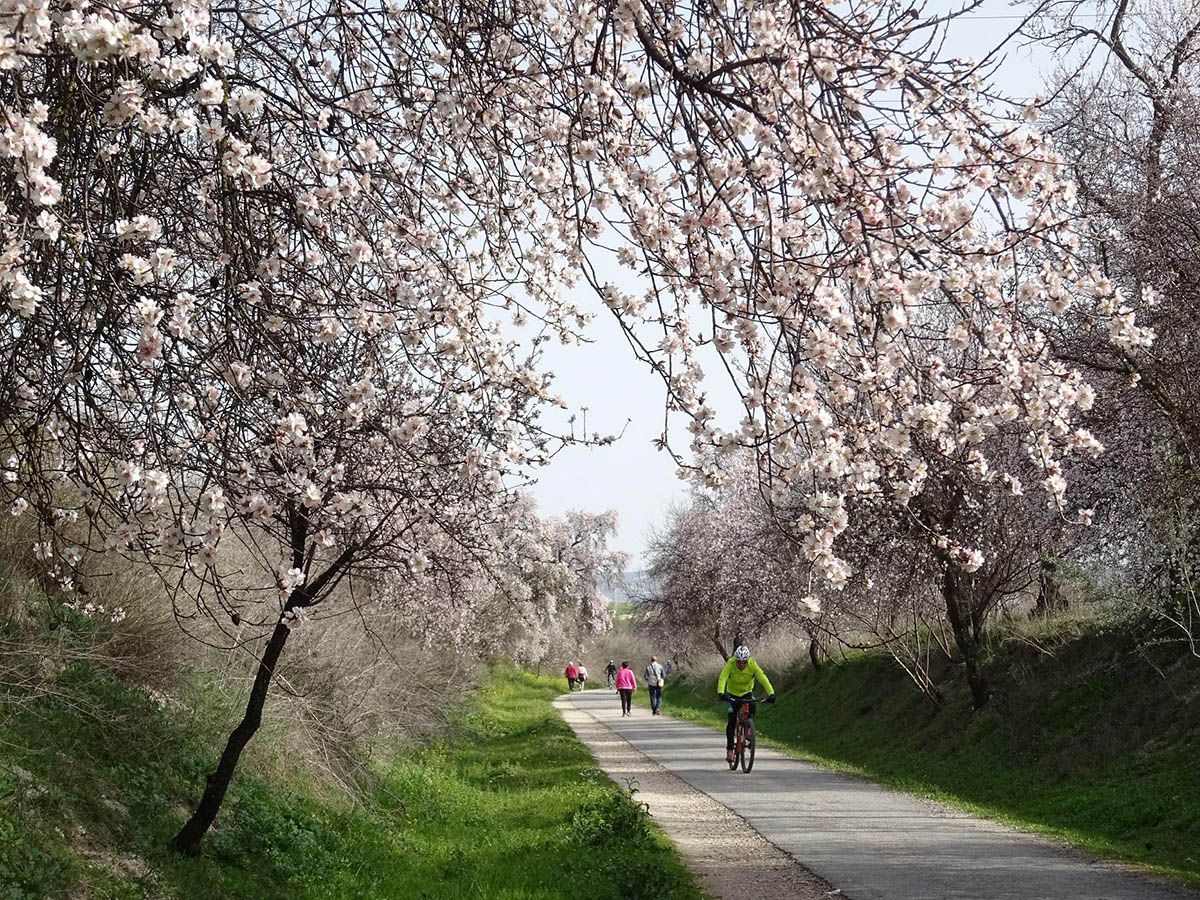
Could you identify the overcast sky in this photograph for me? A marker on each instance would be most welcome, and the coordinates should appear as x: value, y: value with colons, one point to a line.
x: 631, y: 476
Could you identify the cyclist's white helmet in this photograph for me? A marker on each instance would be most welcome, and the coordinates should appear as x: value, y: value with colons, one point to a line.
x: 742, y: 652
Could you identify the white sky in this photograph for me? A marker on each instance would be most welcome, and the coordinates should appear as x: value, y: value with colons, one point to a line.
x: 631, y: 476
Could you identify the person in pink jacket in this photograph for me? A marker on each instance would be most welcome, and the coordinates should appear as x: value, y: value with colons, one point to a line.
x: 626, y: 685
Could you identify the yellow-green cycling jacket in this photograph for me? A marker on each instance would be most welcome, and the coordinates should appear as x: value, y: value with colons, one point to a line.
x: 737, y: 681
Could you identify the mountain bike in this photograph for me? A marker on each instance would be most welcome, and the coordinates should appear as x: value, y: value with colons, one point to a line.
x: 743, y: 732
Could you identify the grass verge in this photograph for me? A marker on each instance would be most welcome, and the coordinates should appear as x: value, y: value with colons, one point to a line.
x: 96, y: 776
x: 1087, y: 739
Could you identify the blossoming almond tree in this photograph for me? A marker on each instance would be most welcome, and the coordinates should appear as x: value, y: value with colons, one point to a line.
x: 1128, y: 125
x: 854, y: 217
x: 252, y: 260
x: 536, y: 598
x: 870, y: 244
x: 722, y: 571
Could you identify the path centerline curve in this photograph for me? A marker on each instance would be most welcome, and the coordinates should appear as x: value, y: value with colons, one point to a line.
x: 869, y: 842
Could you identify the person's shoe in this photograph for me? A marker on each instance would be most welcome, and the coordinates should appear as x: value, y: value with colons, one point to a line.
x: 728, y: 756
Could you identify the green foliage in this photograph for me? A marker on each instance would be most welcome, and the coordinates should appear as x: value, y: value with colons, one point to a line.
x: 615, y: 829
x: 610, y: 820
x: 95, y: 777
x: 1090, y: 736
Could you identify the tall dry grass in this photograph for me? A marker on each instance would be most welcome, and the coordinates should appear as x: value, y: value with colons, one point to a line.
x: 350, y: 686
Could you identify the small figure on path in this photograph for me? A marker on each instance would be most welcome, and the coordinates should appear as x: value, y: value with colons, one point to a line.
x: 626, y: 685
x: 738, y: 676
x: 611, y: 671
x: 572, y: 673
x: 655, y: 676
x: 581, y: 676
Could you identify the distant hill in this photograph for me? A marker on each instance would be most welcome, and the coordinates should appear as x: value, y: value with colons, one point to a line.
x: 631, y: 587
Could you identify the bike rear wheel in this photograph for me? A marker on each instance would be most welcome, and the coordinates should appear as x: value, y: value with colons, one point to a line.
x: 747, y: 754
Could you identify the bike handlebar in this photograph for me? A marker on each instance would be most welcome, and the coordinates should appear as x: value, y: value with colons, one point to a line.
x: 750, y: 698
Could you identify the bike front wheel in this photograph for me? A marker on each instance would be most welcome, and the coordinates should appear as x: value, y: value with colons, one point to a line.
x: 747, y: 753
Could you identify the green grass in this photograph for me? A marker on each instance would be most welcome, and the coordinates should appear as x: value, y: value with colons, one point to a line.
x: 96, y: 778
x: 1089, y: 742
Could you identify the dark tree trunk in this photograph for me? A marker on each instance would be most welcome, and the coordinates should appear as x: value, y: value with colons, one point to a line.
x: 191, y: 835
x: 716, y: 639
x: 814, y: 652
x: 1050, y: 597
x: 966, y: 636
x: 189, y: 838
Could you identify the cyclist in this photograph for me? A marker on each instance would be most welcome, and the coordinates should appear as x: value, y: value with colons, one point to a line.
x: 611, y: 671
x: 736, y: 682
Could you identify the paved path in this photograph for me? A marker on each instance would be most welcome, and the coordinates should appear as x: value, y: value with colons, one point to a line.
x: 727, y: 856
x: 870, y: 843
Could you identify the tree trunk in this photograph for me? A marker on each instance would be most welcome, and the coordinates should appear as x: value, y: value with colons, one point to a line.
x: 716, y: 639
x: 1049, y: 598
x: 189, y: 838
x: 967, y: 639
x: 814, y: 652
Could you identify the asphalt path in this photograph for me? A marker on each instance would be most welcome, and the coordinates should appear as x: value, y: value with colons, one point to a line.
x: 868, y: 842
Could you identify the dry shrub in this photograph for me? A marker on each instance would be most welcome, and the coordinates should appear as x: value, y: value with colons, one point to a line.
x: 356, y: 685
x: 779, y: 650
x: 352, y: 684
x: 118, y: 620
x: 620, y: 643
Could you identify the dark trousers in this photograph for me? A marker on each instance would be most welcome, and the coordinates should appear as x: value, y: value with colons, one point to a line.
x: 655, y: 696
x: 626, y: 699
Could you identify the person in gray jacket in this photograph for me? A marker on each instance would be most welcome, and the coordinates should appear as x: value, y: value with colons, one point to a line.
x: 655, y: 676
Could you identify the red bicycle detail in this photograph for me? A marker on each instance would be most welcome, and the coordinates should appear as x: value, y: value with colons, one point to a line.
x: 743, y: 734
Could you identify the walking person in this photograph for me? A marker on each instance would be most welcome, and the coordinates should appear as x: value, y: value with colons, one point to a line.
x: 572, y: 673
x: 611, y: 671
x: 626, y: 685
x: 655, y: 676
x: 581, y: 676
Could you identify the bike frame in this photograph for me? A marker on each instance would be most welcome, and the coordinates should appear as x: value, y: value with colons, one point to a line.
x: 745, y: 710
